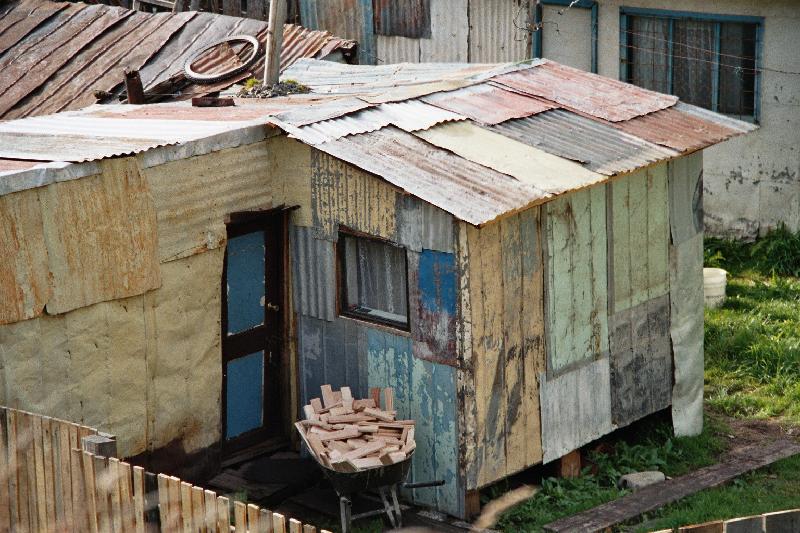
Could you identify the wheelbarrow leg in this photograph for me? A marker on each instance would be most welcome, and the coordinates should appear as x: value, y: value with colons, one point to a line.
x: 388, y: 507
x: 345, y: 509
x: 397, y: 513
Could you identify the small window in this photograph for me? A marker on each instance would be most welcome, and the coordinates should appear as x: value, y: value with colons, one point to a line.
x: 706, y: 60
x: 373, y: 277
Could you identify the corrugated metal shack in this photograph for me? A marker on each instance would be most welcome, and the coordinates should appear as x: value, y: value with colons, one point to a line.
x: 56, y: 55
x: 515, y: 248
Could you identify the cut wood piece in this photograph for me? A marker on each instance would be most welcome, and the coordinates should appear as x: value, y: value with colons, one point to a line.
x: 320, y: 431
x: 365, y: 427
x: 360, y: 405
x: 364, y: 450
x: 337, y: 396
x: 375, y: 395
x: 399, y: 424
x: 335, y: 456
x: 316, y: 403
x: 316, y: 445
x: 404, y: 435
x: 320, y: 424
x: 347, y: 398
x: 390, y: 448
x: 390, y: 458
x: 327, y: 396
x: 569, y: 466
x: 410, y: 435
x: 367, y: 462
x: 310, y: 413
x: 380, y: 415
x: 344, y: 465
x: 339, y: 411
x: 388, y: 399
x: 339, y: 446
x: 355, y: 443
x: 344, y: 419
x: 342, y: 434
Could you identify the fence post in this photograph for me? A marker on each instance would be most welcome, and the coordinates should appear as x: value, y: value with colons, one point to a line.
x: 101, y: 444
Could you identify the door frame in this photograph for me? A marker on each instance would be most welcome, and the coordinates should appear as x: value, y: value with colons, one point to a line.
x: 274, y: 428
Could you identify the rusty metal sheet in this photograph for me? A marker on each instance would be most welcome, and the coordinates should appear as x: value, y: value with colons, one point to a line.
x: 326, y: 109
x: 102, y: 237
x: 404, y: 19
x: 75, y: 148
x: 23, y: 19
x: 177, y: 111
x: 488, y: 104
x: 13, y: 165
x: 597, y: 145
x: 77, y: 78
x: 29, y: 71
x: 411, y: 115
x: 387, y: 83
x: 586, y: 92
x: 24, y: 275
x: 684, y: 129
x: 471, y: 192
x: 348, y: 19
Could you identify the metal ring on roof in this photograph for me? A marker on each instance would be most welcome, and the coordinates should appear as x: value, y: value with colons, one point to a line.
x: 199, y: 77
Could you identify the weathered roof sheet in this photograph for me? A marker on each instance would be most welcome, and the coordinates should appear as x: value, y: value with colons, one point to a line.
x: 56, y: 55
x: 586, y: 92
x: 598, y: 146
x: 488, y: 104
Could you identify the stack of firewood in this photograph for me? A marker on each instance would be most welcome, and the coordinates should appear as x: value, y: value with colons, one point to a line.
x: 348, y: 435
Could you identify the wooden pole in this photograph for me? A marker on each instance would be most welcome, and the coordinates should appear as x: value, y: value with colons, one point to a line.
x: 272, y: 63
x: 133, y: 86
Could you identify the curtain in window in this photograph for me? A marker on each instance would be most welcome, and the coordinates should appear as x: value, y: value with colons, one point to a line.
x: 376, y: 276
x: 737, y: 68
x: 693, y: 59
x: 648, y: 53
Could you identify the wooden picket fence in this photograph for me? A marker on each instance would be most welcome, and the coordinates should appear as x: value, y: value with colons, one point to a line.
x: 49, y: 483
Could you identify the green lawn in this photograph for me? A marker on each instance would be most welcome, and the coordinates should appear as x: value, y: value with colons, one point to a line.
x: 752, y: 356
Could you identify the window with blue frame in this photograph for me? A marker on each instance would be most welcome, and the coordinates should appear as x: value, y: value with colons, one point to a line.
x: 709, y: 61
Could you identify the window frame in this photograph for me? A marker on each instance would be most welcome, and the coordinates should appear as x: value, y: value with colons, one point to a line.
x: 538, y: 43
x: 341, y: 282
x: 624, y: 40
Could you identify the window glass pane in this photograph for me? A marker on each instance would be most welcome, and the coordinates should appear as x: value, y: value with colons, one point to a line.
x: 648, y: 53
x: 737, y: 69
x: 693, y: 59
x: 374, y: 275
x: 245, y: 281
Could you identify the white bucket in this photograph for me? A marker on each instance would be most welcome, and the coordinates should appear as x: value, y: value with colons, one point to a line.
x: 714, y: 282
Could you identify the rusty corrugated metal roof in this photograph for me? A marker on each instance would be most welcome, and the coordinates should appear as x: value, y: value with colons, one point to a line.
x: 586, y: 92
x: 597, y: 146
x: 488, y: 104
x: 56, y: 55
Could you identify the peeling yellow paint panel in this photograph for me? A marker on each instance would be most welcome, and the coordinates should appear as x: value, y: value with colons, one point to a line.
x: 290, y: 170
x: 24, y: 275
x: 101, y: 237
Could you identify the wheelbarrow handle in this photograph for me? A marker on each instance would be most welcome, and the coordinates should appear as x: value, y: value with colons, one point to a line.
x: 424, y: 484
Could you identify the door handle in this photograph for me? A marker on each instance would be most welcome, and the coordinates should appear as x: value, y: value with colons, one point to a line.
x: 273, y: 307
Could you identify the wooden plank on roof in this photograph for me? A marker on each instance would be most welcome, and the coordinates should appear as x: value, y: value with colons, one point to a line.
x: 102, y: 237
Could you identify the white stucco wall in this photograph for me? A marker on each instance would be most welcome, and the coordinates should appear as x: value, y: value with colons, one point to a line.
x: 751, y: 183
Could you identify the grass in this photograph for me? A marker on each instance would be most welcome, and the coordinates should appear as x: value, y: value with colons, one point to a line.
x: 752, y: 358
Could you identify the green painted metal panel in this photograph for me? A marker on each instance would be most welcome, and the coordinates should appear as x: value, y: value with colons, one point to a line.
x: 577, y: 278
x: 424, y: 391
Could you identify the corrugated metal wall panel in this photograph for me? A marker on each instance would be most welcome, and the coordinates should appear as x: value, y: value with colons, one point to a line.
x: 449, y: 33
x: 493, y: 33
x: 577, y: 307
x: 24, y: 272
x: 390, y: 50
x: 426, y: 392
x: 101, y: 235
x: 504, y: 279
x: 332, y: 353
x: 313, y: 274
x: 421, y: 225
x: 351, y: 19
x: 193, y: 196
x: 411, y: 18
x: 343, y: 194
x: 576, y: 408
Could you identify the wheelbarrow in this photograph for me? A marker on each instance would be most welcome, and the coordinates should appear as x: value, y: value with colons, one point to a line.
x: 385, y: 479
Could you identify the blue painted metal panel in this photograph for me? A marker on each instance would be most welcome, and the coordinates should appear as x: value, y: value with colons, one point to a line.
x: 245, y: 401
x: 425, y: 391
x: 435, y: 324
x: 245, y: 282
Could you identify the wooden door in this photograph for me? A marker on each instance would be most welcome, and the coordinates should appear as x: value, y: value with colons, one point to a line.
x: 252, y: 330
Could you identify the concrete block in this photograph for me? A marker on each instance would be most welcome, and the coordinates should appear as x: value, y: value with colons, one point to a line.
x: 638, y: 480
